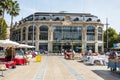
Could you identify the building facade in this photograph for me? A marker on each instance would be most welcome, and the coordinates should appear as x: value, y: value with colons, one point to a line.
x: 54, y: 32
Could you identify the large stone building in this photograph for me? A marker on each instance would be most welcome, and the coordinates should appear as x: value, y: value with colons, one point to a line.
x: 54, y: 32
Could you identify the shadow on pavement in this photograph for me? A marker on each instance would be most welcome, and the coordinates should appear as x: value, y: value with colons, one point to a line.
x: 108, y: 75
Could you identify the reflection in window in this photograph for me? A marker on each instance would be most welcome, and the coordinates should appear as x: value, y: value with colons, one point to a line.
x: 100, y: 34
x: 43, y: 33
x: 23, y: 33
x: 91, y: 36
x: 90, y: 33
x: 30, y: 32
x: 100, y: 47
x: 67, y: 33
x: 90, y: 29
x: 99, y: 29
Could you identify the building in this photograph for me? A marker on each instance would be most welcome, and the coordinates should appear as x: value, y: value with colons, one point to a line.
x: 55, y: 32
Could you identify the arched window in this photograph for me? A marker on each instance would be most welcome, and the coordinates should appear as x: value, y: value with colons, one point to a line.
x: 89, y: 19
x: 76, y: 19
x: 24, y: 33
x: 57, y: 19
x: 31, y: 32
x: 44, y: 18
x: 43, y: 32
x: 98, y: 20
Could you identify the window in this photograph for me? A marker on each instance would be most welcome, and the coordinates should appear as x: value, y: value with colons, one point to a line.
x: 90, y: 33
x: 76, y: 19
x: 43, y: 32
x: 67, y: 33
x: 99, y: 36
x: 90, y: 29
x: 99, y: 29
x: 23, y: 33
x: 30, y: 32
x: 90, y: 36
x: 99, y: 33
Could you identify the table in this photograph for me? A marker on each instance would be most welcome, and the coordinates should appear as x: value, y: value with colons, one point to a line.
x: 113, y: 65
x: 102, y: 58
x: 9, y: 64
x: 3, y: 59
x: 19, y: 61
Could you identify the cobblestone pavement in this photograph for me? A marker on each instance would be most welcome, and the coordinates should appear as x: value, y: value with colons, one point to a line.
x: 58, y: 68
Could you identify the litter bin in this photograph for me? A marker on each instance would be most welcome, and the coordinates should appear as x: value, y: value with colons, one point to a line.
x: 38, y: 58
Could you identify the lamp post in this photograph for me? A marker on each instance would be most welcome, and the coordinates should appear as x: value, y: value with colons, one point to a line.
x: 107, y: 33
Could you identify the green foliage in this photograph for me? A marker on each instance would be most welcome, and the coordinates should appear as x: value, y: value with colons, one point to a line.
x: 55, y: 49
x: 4, y: 30
x: 0, y: 10
x: 113, y: 37
x: 13, y: 10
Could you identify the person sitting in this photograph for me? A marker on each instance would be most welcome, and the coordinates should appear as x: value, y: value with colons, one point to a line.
x: 27, y: 58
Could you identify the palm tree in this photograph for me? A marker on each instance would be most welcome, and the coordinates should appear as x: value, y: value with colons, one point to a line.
x: 4, y: 6
x: 0, y: 10
x: 13, y: 10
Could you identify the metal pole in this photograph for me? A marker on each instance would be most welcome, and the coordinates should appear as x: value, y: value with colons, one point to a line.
x: 107, y: 33
x: 33, y: 32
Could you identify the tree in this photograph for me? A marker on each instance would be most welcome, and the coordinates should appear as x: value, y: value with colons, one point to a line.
x: 4, y: 4
x: 4, y: 30
x: 113, y: 37
x: 0, y: 10
x: 119, y: 38
x: 13, y: 10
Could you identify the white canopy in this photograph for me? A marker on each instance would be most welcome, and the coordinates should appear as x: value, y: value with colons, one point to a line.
x: 25, y: 46
x: 8, y: 43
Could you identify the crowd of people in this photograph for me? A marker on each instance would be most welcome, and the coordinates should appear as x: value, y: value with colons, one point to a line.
x: 10, y: 54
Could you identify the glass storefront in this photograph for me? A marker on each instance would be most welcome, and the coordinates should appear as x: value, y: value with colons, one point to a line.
x: 65, y: 36
x: 91, y: 46
x: 43, y: 47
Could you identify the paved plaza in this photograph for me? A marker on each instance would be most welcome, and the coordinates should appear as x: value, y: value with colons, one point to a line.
x: 58, y: 68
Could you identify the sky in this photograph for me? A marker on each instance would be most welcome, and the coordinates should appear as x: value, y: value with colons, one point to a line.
x: 102, y: 8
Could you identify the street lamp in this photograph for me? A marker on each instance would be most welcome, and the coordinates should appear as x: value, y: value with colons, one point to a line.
x: 107, y: 33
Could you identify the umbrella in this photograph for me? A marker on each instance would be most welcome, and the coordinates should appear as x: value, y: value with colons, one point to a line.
x: 8, y: 43
x: 25, y: 46
x: 31, y: 46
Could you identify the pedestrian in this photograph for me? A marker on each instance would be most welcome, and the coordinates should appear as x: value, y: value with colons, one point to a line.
x: 21, y: 52
x: 9, y: 54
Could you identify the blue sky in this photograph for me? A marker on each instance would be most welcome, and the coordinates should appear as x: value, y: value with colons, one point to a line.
x: 102, y: 8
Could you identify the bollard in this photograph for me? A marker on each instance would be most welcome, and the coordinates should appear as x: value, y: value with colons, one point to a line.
x: 38, y: 58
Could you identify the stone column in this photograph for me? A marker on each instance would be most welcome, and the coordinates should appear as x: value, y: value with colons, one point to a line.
x: 83, y: 38
x: 37, y: 38
x: 26, y: 36
x: 50, y: 38
x: 96, y: 39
